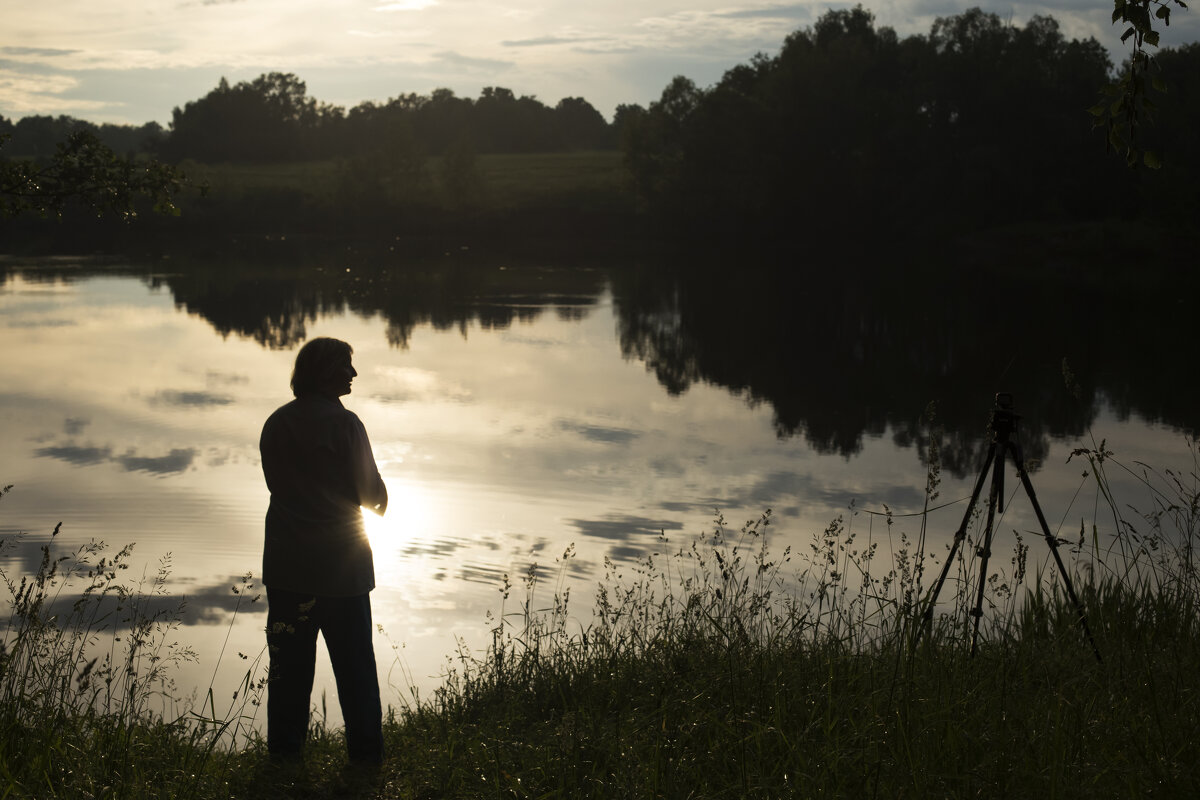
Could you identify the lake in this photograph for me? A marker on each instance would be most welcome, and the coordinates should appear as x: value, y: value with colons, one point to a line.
x: 520, y: 406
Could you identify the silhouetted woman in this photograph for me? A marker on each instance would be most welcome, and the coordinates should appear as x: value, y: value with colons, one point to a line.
x: 317, y: 563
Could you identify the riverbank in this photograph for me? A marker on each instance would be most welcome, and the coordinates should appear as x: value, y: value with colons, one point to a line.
x: 714, y: 668
x: 566, y: 200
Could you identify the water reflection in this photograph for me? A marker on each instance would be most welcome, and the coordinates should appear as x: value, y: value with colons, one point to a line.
x: 853, y: 354
x: 836, y: 359
x: 275, y: 304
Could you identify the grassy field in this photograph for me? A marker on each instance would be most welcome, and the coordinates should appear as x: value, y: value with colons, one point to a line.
x: 461, y: 197
x: 502, y: 181
x: 714, y: 668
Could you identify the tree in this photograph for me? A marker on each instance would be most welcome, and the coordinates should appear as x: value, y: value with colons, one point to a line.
x: 850, y: 128
x: 580, y: 125
x: 1126, y: 105
x: 444, y: 120
x: 387, y: 171
x: 83, y: 170
x: 654, y: 140
x: 268, y: 119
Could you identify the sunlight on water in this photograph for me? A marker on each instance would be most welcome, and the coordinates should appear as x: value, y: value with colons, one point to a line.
x: 411, y: 515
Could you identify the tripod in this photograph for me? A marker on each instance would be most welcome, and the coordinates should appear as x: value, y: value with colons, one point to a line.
x: 1003, y: 423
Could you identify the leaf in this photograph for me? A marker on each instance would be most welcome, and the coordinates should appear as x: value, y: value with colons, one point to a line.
x: 1151, y: 160
x: 1163, y: 12
x: 1128, y: 32
x: 1151, y: 38
x: 1118, y: 13
x: 1098, y: 109
x: 1159, y: 84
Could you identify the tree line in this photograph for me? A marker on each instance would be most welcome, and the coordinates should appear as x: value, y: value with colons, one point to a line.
x: 851, y: 127
x: 273, y: 118
x: 38, y: 136
x: 848, y: 127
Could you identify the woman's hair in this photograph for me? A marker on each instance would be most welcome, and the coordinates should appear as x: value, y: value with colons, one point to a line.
x: 315, y: 362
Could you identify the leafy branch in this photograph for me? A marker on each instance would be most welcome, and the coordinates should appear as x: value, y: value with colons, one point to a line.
x: 1126, y: 104
x: 84, y: 170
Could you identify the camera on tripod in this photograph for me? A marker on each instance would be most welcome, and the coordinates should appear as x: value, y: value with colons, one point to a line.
x: 1003, y: 423
x: 1004, y: 419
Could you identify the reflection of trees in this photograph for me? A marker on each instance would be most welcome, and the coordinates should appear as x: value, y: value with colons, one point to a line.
x: 272, y: 309
x: 853, y: 355
x: 273, y: 304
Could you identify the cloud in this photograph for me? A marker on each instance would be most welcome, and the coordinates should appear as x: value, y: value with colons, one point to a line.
x: 793, y: 11
x: 73, y: 426
x: 214, y: 603
x: 26, y: 93
x: 178, y: 460
x: 207, y: 605
x: 225, y: 378
x: 775, y: 488
x: 453, y: 59
x: 78, y: 456
x: 614, y: 49
x: 679, y: 508
x: 414, y: 384
x: 626, y: 552
x: 599, y: 433
x: 42, y: 323
x: 707, y: 35
x: 407, y: 5
x: 623, y: 527
x: 543, y: 41
x: 437, y: 548
x: 481, y: 573
x: 47, y: 52
x: 171, y: 397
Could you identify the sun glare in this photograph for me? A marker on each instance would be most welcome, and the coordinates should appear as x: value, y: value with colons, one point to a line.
x: 409, y: 514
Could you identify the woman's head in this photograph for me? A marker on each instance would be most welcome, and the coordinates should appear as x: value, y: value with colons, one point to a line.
x: 323, y: 367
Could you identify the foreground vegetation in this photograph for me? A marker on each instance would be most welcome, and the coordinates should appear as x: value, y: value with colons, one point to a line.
x: 712, y: 669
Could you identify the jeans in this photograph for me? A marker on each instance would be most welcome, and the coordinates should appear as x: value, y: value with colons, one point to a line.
x: 293, y: 621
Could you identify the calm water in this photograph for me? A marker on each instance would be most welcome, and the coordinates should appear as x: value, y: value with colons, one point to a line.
x: 518, y: 408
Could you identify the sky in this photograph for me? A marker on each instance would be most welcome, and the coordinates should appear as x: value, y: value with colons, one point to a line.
x: 133, y: 61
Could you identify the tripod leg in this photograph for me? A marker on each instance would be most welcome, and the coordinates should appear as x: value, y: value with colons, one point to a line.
x: 985, y: 551
x: 1053, y: 543
x: 959, y: 535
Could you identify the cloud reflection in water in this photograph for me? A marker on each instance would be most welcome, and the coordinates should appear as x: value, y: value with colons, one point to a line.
x: 176, y: 461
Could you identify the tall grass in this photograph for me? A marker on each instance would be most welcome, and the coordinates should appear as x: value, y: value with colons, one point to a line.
x: 88, y: 705
x: 717, y: 667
